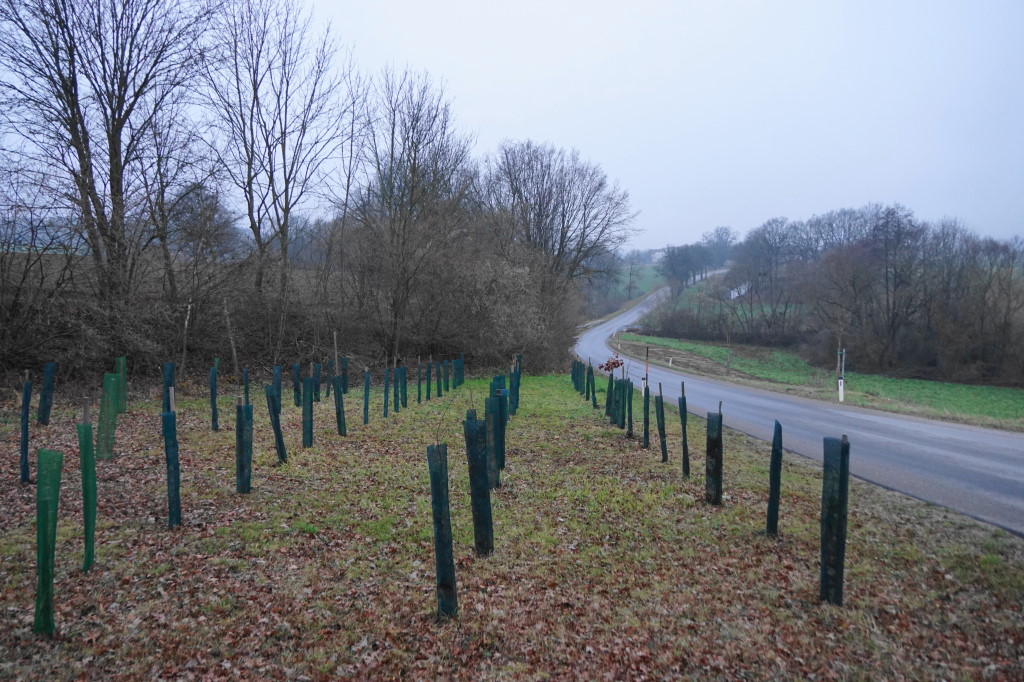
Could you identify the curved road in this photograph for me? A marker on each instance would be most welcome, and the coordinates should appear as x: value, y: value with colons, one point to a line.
x: 976, y: 471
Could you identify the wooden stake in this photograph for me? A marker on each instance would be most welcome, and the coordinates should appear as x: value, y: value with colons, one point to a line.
x: 170, y: 394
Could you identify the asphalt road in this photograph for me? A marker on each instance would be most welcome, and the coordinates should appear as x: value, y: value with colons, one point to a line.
x: 976, y: 471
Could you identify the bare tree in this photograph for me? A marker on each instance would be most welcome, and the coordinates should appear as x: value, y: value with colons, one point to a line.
x: 413, y: 199
x: 278, y: 102
x: 82, y: 84
x: 558, y: 204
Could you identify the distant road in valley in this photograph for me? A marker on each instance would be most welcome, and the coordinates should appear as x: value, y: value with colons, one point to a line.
x: 976, y: 471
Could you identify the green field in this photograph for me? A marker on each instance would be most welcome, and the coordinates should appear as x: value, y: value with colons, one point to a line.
x: 936, y: 398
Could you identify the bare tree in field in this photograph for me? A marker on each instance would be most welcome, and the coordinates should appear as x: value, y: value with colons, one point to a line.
x: 82, y: 84
x: 278, y: 102
x: 556, y: 203
x: 413, y: 199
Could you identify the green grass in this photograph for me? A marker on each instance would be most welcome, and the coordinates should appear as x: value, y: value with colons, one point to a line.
x: 872, y: 390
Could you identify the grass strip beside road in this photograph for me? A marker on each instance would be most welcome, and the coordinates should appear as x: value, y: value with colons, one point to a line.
x: 771, y: 369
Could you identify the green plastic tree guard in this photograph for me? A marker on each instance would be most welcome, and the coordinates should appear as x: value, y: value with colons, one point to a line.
x: 447, y: 385
x: 274, y: 408
x: 26, y: 404
x: 475, y: 431
x: 396, y: 397
x: 438, y: 388
x: 297, y: 383
x: 609, y: 395
x: 168, y: 378
x: 713, y: 460
x: 339, y: 406
x: 87, y: 458
x: 307, y: 412
x: 405, y: 386
x: 834, y: 498
x: 214, y: 414
x: 47, y: 497
x: 276, y: 384
x: 329, y: 382
x: 447, y: 598
x: 170, y: 433
x: 107, y: 426
x: 429, y: 382
x: 317, y: 368
x: 121, y: 370
x: 387, y: 390
x: 492, y: 414
x: 686, y: 442
x: 419, y: 382
x: 647, y: 417
x: 243, y: 448
x: 366, y: 397
x: 46, y: 393
x: 659, y: 414
x: 629, y: 408
x: 771, y: 528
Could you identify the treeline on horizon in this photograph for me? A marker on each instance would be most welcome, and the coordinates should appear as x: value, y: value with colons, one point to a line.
x: 188, y: 180
x: 903, y: 296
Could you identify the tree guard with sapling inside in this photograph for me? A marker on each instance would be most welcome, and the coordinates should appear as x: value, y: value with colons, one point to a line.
x: 307, y: 412
x: 447, y: 598
x: 339, y: 406
x: 169, y: 422
x: 274, y: 410
x: 107, y: 426
x: 46, y: 393
x: 26, y: 406
x: 834, y: 500
x: 87, y: 462
x: 713, y: 461
x: 475, y: 431
x: 47, y: 498
x: 243, y: 448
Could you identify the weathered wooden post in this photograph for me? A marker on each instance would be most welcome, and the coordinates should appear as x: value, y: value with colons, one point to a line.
x: 713, y: 460
x: 214, y: 416
x: 683, y: 418
x: 447, y: 599
x: 659, y: 415
x: 297, y: 383
x: 47, y: 497
x: 329, y: 375
x: 834, y: 495
x: 366, y: 396
x: 245, y: 386
x: 274, y: 410
x: 87, y: 459
x: 344, y: 375
x: 169, y: 422
x: 475, y: 431
x: 774, y: 483
x: 26, y: 406
x: 168, y: 379
x: 339, y: 406
x: 307, y: 412
x: 46, y: 393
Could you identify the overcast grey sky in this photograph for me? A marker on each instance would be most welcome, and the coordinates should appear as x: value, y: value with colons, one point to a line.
x: 718, y: 112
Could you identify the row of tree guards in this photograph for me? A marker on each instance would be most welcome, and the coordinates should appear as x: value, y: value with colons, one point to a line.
x: 437, y: 377
x: 485, y: 452
x: 618, y: 406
